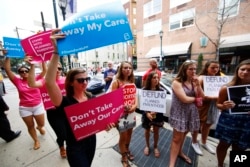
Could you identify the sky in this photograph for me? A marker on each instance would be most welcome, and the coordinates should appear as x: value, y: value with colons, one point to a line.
x: 24, y: 13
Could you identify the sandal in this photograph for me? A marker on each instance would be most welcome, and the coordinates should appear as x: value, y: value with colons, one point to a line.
x: 63, y: 152
x: 124, y: 160
x: 157, y: 153
x: 185, y: 158
x: 130, y: 156
x: 146, y: 151
x: 36, y: 145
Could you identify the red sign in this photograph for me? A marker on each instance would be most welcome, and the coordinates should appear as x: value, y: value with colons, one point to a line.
x: 129, y: 92
x: 38, y: 46
x: 88, y: 118
x: 45, y: 96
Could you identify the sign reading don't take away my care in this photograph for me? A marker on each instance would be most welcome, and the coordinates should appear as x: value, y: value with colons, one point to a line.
x: 96, y: 26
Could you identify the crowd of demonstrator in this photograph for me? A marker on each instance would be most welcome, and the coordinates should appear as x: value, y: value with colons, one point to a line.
x: 191, y: 111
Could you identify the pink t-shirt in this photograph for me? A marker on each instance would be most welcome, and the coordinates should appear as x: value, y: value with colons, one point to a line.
x: 29, y: 97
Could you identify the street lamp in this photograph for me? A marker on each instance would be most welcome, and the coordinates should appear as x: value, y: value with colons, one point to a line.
x: 161, y: 53
x: 63, y: 5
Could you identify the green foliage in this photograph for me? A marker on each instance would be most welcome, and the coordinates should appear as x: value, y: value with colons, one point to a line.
x: 200, y: 60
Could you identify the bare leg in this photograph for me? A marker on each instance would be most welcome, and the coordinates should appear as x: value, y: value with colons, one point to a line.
x: 32, y: 131
x: 221, y: 152
x: 40, y: 123
x: 205, y: 132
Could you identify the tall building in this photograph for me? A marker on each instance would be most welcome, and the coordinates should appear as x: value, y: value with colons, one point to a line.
x: 214, y: 29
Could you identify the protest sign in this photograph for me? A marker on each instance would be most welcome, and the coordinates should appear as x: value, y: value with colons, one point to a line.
x: 13, y: 47
x: 92, y: 116
x: 96, y: 26
x: 240, y: 95
x: 212, y: 84
x: 129, y: 94
x: 154, y: 101
x: 46, y: 99
x: 39, y: 46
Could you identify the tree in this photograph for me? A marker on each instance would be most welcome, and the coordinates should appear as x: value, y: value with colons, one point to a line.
x: 199, y: 66
x: 220, y: 12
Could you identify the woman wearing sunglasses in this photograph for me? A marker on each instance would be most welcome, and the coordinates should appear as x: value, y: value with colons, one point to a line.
x: 79, y: 153
x: 55, y: 120
x: 30, y: 105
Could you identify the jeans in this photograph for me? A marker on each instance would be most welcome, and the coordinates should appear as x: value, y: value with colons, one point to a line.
x: 81, y: 153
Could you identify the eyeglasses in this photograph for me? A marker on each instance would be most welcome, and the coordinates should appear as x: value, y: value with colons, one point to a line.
x: 59, y: 68
x: 81, y: 80
x: 23, y: 71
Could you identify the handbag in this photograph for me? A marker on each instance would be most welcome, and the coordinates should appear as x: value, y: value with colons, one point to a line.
x: 127, y: 121
x: 212, y: 113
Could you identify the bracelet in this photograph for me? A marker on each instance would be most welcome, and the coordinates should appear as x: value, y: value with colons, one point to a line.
x: 56, y: 53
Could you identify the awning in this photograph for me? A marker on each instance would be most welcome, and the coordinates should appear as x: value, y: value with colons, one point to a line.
x: 237, y: 40
x: 177, y: 49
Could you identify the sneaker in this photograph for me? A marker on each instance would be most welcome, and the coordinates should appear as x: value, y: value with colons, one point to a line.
x: 196, y: 148
x: 208, y: 147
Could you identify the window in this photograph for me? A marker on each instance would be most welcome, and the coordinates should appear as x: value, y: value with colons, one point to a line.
x: 134, y: 11
x: 152, y: 28
x: 228, y: 8
x: 182, y: 19
x: 151, y: 8
x: 174, y: 3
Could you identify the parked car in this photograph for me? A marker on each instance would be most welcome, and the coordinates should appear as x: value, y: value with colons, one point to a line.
x: 165, y: 84
x: 95, y: 85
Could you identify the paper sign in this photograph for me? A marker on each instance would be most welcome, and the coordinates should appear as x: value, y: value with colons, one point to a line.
x: 129, y: 94
x: 46, y: 99
x: 240, y: 95
x: 154, y: 101
x: 212, y: 84
x: 101, y: 25
x: 88, y: 118
x: 13, y: 47
x: 38, y: 46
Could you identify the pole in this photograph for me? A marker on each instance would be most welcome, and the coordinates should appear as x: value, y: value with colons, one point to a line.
x: 161, y: 65
x: 43, y: 23
x: 56, y: 22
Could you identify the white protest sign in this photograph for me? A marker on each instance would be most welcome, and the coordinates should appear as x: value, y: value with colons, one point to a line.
x: 154, y: 101
x: 212, y: 84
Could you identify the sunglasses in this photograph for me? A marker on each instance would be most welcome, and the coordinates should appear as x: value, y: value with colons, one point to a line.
x: 59, y: 68
x: 23, y: 71
x: 190, y: 61
x: 81, y: 80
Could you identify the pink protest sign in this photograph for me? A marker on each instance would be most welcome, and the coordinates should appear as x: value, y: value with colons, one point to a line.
x: 94, y: 115
x: 38, y: 46
x: 45, y: 96
x: 129, y: 91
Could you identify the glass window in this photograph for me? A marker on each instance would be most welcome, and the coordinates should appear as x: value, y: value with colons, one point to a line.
x: 182, y: 19
x: 174, y: 3
x: 228, y: 8
x: 152, y: 28
x: 151, y: 8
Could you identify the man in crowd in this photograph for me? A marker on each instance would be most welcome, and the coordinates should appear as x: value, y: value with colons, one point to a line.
x: 108, y: 75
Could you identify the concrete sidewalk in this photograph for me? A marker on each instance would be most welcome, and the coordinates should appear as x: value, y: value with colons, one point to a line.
x: 20, y: 153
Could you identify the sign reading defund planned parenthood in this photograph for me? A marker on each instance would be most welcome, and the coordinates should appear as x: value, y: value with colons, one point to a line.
x: 212, y: 84
x: 13, y: 47
x: 92, y: 116
x: 154, y: 101
x: 98, y: 26
x: 240, y: 95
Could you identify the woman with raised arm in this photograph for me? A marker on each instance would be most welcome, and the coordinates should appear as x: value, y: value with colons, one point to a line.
x: 30, y: 105
x: 79, y: 153
x: 54, y: 118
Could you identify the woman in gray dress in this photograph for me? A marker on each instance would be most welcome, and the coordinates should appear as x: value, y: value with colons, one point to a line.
x: 184, y: 116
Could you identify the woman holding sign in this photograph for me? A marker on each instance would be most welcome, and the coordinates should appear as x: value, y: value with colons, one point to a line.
x: 233, y: 129
x: 184, y: 116
x: 55, y: 119
x: 79, y: 153
x: 125, y: 79
x: 30, y: 105
x: 208, y: 112
x: 151, y: 118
